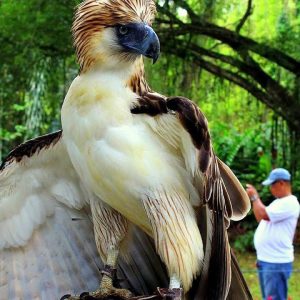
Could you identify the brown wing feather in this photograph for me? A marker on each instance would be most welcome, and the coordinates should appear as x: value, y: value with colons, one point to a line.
x: 221, y: 191
x: 215, y: 279
x: 31, y: 147
x: 238, y: 196
x: 238, y: 287
x: 151, y: 104
x: 217, y: 263
x: 195, y: 123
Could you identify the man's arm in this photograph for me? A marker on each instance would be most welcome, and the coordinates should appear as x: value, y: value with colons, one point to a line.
x: 259, y: 208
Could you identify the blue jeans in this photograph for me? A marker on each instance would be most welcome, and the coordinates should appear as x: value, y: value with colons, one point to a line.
x: 273, y: 279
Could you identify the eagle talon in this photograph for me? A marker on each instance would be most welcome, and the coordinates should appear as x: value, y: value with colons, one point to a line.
x: 170, y: 294
x: 84, y: 296
x: 64, y: 297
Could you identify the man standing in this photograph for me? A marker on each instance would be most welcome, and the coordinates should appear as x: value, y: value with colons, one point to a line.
x: 273, y: 239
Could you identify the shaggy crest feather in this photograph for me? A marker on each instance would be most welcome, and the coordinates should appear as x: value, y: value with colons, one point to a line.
x: 93, y: 16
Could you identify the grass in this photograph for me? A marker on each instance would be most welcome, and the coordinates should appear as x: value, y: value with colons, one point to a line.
x: 247, y: 261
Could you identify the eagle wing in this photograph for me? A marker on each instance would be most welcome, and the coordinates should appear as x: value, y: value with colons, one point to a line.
x: 45, y: 234
x: 47, y: 243
x: 180, y: 123
x: 35, y: 178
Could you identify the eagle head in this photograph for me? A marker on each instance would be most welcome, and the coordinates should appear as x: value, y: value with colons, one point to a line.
x: 113, y: 33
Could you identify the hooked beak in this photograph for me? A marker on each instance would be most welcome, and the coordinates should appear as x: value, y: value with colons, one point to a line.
x: 139, y: 38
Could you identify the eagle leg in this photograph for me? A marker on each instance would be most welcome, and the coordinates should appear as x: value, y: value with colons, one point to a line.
x: 174, y: 292
x: 106, y: 289
x: 106, y: 286
x: 111, y: 229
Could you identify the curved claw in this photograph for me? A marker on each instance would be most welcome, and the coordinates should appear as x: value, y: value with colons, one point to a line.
x: 64, y: 297
x: 85, y: 296
x: 170, y: 294
x: 82, y: 296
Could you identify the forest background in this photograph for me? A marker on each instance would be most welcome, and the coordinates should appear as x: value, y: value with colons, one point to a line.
x: 238, y: 60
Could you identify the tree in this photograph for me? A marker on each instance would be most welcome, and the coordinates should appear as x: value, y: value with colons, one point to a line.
x: 269, y: 74
x: 36, y: 58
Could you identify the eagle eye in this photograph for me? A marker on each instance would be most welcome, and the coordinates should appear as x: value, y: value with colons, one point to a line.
x: 123, y: 29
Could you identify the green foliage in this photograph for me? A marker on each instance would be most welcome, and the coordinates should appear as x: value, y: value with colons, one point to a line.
x: 244, y: 242
x: 35, y: 54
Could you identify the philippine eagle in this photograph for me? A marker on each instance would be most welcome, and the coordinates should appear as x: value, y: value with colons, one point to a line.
x: 141, y: 162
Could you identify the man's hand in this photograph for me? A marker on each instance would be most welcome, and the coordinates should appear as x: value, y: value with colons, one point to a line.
x: 252, y: 192
x: 259, y: 208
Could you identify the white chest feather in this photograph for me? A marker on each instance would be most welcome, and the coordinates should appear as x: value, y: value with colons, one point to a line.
x: 119, y: 157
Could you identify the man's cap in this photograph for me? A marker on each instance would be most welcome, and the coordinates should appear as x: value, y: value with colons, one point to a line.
x: 277, y: 174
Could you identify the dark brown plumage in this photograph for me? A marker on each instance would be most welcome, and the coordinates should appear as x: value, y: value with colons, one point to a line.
x: 31, y: 147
